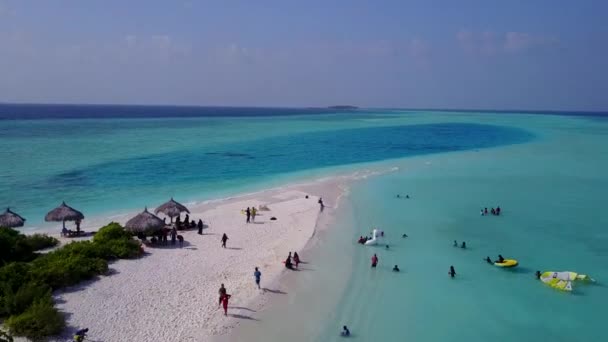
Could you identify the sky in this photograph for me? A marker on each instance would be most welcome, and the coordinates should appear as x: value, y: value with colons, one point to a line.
x: 467, y: 54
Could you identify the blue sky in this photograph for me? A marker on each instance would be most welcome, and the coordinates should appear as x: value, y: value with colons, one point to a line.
x: 532, y: 54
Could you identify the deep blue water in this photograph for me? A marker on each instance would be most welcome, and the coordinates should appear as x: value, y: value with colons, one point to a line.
x: 63, y: 111
x: 59, y: 111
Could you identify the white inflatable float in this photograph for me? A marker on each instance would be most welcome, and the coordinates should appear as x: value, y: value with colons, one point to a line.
x: 375, y: 237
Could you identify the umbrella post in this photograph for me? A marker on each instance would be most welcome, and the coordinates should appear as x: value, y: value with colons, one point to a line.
x: 63, y: 224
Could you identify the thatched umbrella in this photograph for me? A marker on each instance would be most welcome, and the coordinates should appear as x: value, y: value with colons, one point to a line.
x: 11, y: 219
x: 144, y: 222
x: 171, y: 209
x: 64, y: 213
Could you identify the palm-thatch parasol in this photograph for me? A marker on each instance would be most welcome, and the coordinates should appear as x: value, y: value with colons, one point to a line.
x: 171, y: 209
x: 64, y: 213
x: 11, y: 219
x: 144, y: 222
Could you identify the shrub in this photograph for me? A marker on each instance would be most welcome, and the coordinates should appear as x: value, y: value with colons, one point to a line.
x: 37, y: 242
x: 15, y: 246
x: 113, y: 231
x: 25, y: 287
x: 17, y: 302
x: 14, y: 275
x: 39, y: 320
x: 56, y: 270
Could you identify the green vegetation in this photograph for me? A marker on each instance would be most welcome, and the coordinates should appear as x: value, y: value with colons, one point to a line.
x: 15, y: 246
x: 27, y: 278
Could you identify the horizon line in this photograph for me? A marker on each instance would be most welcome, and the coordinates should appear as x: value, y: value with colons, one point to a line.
x: 439, y: 109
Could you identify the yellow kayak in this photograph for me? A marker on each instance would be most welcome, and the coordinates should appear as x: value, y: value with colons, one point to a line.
x: 506, y: 263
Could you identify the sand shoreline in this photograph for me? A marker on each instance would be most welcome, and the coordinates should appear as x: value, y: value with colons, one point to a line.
x: 171, y: 293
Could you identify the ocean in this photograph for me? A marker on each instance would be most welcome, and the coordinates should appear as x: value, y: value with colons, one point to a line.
x: 548, y: 173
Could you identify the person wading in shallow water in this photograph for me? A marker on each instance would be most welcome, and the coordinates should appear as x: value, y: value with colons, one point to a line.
x: 374, y: 261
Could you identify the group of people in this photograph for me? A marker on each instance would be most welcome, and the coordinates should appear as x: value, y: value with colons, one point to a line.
x: 251, y: 212
x: 463, y: 246
x: 375, y: 261
x: 188, y: 224
x: 492, y: 211
x: 500, y: 260
x: 289, y: 263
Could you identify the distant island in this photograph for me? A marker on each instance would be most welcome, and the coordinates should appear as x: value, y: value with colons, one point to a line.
x: 343, y: 107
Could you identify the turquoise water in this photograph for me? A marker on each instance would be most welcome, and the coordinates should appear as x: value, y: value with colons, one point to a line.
x: 548, y: 174
x: 551, y: 191
x: 104, y: 165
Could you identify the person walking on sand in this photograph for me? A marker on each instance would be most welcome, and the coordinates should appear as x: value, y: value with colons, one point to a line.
x: 374, y: 261
x: 253, y: 212
x: 321, y: 204
x: 257, y: 274
x: 224, y: 239
x: 296, y: 259
x: 222, y: 293
x: 248, y: 213
x: 225, y: 303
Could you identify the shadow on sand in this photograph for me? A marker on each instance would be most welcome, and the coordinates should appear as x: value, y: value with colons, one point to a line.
x: 275, y: 291
x: 243, y: 317
x: 242, y: 308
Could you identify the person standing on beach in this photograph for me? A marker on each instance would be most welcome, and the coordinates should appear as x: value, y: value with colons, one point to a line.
x: 248, y: 213
x: 257, y: 274
x: 222, y: 293
x: 224, y: 239
x: 321, y: 205
x: 200, y: 227
x: 296, y: 259
x: 253, y: 212
x: 374, y: 261
x: 173, y: 235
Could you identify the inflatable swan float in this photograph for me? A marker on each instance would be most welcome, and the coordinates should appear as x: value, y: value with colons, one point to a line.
x: 375, y: 237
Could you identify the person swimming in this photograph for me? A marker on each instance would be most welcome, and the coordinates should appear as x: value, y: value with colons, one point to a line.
x: 345, y: 332
x: 464, y: 245
x: 488, y: 260
x: 407, y: 196
x: 396, y: 268
x: 500, y: 259
x: 404, y: 235
x: 387, y: 247
x: 455, y: 243
x: 452, y: 272
x: 537, y: 274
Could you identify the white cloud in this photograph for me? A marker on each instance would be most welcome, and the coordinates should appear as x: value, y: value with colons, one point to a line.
x: 489, y: 43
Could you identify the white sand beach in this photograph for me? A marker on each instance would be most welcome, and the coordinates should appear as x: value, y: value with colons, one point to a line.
x: 171, y: 294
